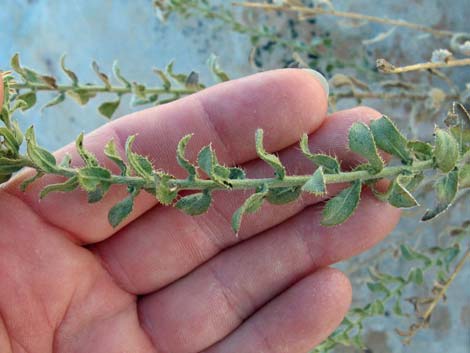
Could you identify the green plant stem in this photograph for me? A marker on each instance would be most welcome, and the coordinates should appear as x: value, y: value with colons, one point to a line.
x: 99, y: 88
x: 199, y: 184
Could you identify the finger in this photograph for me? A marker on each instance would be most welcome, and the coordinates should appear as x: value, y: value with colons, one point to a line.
x: 222, y: 293
x: 155, y: 250
x: 283, y: 102
x: 297, y: 320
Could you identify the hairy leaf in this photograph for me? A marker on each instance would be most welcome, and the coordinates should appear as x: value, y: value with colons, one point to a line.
x: 398, y: 195
x: 316, y: 184
x: 73, y: 77
x: 54, y: 101
x: 338, y: 209
x: 163, y: 192
x: 88, y: 157
x: 29, y: 98
x: 119, y: 76
x: 446, y: 150
x: 31, y: 180
x: 180, y: 156
x: 251, y: 205
x: 464, y: 176
x: 69, y: 185
x: 330, y: 165
x: 140, y: 164
x: 422, y: 150
x: 42, y: 158
x: 215, y: 69
x: 111, y: 152
x: 361, y: 141
x: 91, y: 178
x: 270, y: 159
x: 283, y: 195
x: 121, y: 210
x: 107, y: 109
x: 446, y: 190
x: 410, y: 255
x: 389, y: 139
x: 195, y: 204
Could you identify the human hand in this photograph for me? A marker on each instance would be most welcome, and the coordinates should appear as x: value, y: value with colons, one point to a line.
x: 167, y: 282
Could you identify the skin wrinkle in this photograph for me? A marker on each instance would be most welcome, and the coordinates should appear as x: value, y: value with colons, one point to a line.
x: 5, y: 329
x: 212, y: 125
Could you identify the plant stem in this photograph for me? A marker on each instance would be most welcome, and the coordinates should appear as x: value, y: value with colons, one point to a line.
x: 99, y: 88
x: 427, y: 314
x: 302, y: 179
x: 425, y: 66
x: 238, y: 184
x: 308, y: 11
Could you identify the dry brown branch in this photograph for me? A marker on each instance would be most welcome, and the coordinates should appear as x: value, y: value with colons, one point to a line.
x: 310, y: 12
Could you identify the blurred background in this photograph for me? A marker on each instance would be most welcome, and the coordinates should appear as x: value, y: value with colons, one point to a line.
x: 130, y: 32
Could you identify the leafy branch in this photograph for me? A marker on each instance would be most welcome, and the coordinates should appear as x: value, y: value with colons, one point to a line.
x: 449, y: 157
x: 389, y: 290
x: 173, y: 86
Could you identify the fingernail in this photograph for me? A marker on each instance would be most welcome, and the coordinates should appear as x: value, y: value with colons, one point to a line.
x: 321, y: 79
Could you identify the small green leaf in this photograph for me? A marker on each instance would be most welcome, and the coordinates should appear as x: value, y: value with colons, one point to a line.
x: 102, y: 76
x: 464, y: 176
x: 73, y: 77
x: 236, y: 173
x: 107, y: 109
x: 446, y: 150
x: 283, y: 195
x: 181, y: 159
x: 111, y: 152
x: 389, y: 139
x: 180, y: 78
x: 54, y: 101
x: 10, y: 140
x: 416, y: 276
x: 251, y: 205
x: 270, y: 159
x: 195, y: 204
x: 91, y: 178
x: 140, y: 164
x: 49, y: 81
x: 164, y: 78
x: 31, y: 180
x: 446, y: 190
x: 163, y: 192
x: 81, y: 96
x: 29, y: 98
x: 411, y: 255
x: 316, y: 184
x: 376, y: 308
x: 119, y: 76
x: 330, y: 165
x: 69, y: 185
x: 121, y: 210
x: 66, y: 161
x: 398, y: 195
x: 338, y: 209
x: 88, y: 157
x: 42, y: 158
x: 422, y: 150
x: 219, y: 74
x: 361, y: 141
x: 397, y: 307
x: 9, y: 166
x: 377, y: 287
x: 207, y: 160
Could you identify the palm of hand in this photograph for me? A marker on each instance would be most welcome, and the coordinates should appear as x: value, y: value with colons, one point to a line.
x: 167, y: 282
